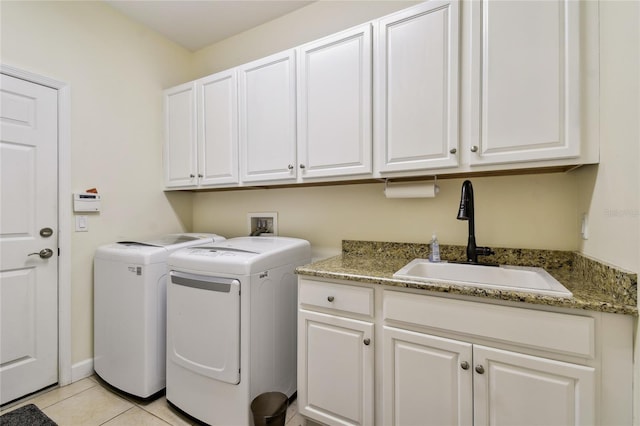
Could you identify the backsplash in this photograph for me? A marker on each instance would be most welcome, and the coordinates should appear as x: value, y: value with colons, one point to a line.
x: 621, y: 286
x: 548, y: 259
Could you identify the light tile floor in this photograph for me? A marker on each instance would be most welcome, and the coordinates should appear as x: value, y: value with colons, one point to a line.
x: 88, y: 403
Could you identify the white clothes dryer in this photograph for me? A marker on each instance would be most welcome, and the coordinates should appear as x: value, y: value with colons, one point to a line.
x: 231, y: 325
x: 129, y: 302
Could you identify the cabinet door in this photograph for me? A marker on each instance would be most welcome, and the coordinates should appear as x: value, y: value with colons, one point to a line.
x: 180, y: 166
x: 518, y: 389
x: 334, y: 107
x: 427, y: 380
x: 218, y: 129
x: 417, y: 88
x: 268, y: 119
x: 525, y: 84
x: 335, y: 369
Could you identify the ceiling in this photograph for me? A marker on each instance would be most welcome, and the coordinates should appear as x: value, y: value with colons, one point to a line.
x: 195, y: 24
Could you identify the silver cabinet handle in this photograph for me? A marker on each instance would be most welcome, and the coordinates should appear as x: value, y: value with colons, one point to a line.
x: 290, y: 167
x: 44, y: 253
x: 192, y: 175
x: 453, y: 151
x: 479, y: 369
x: 474, y: 148
x: 330, y: 298
x: 200, y: 175
x: 367, y: 341
x: 302, y: 166
x: 464, y: 365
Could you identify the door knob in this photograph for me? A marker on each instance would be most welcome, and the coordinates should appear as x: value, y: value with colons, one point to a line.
x: 479, y: 369
x: 367, y: 341
x: 44, y: 253
x: 474, y: 148
x: 464, y: 365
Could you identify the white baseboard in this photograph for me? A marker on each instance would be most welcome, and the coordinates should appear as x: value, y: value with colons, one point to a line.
x: 81, y: 370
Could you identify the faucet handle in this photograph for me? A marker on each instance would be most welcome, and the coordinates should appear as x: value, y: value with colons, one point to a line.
x: 484, y: 251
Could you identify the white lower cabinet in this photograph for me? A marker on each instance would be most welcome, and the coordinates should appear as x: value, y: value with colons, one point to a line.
x: 512, y: 388
x: 338, y: 369
x: 427, y: 379
x: 430, y: 380
x: 448, y: 361
x: 335, y: 354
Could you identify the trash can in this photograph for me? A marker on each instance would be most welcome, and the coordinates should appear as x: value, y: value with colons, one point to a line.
x: 269, y: 409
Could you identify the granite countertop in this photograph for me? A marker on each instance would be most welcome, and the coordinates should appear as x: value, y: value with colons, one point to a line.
x: 595, y: 286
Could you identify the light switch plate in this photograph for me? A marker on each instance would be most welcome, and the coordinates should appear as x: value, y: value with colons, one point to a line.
x: 82, y: 223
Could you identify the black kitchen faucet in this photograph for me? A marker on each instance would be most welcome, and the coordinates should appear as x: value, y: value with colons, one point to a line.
x: 466, y: 212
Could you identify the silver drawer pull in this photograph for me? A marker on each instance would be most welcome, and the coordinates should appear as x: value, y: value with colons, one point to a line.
x: 464, y: 365
x: 367, y: 341
x: 479, y: 369
x: 330, y: 298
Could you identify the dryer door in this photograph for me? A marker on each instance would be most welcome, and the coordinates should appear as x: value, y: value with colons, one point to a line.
x: 203, y: 325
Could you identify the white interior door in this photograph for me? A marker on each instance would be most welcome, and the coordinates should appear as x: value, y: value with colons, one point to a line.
x: 28, y: 238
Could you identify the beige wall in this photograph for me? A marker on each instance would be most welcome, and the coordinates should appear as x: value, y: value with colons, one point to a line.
x: 536, y: 211
x: 116, y: 70
x: 610, y: 193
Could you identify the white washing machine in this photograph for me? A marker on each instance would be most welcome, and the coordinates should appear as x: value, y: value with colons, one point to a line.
x: 231, y: 325
x: 129, y: 302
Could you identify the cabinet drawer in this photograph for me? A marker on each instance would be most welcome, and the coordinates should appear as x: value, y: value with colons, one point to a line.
x: 347, y: 298
x: 562, y: 333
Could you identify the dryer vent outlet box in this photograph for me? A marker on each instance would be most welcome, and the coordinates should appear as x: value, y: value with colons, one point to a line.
x: 263, y: 224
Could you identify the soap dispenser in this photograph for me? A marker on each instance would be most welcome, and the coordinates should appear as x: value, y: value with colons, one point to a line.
x: 435, y: 249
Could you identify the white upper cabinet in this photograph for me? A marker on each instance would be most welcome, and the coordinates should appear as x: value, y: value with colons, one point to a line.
x: 443, y: 87
x: 218, y: 129
x: 334, y: 105
x: 180, y: 164
x: 417, y: 88
x: 268, y: 118
x: 525, y: 81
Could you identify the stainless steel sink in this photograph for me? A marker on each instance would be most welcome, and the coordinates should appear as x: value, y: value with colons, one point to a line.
x: 516, y: 278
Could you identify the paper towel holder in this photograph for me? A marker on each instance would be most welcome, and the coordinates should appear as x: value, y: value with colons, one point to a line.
x: 388, y: 180
x: 411, y: 189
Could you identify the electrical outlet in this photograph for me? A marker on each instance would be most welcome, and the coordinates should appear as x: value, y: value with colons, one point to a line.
x: 584, y: 226
x: 263, y: 223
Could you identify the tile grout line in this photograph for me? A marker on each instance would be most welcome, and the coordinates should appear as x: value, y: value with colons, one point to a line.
x: 153, y: 414
x: 117, y: 415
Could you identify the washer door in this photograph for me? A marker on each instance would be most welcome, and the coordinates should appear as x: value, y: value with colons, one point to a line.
x: 203, y: 325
